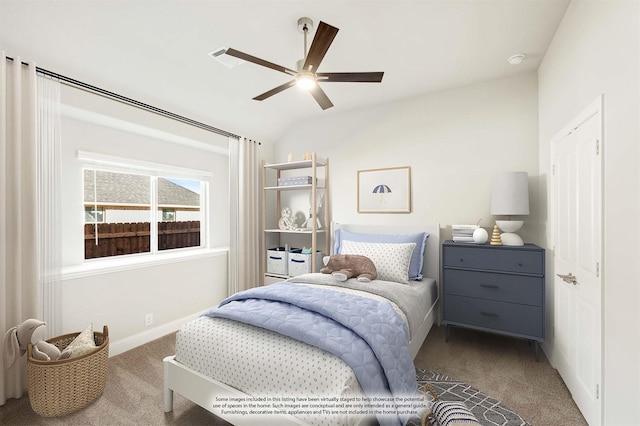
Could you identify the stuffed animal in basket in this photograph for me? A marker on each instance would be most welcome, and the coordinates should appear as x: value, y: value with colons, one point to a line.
x: 345, y: 266
x: 30, y: 331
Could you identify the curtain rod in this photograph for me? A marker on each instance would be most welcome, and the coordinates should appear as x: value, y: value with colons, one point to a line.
x: 111, y: 95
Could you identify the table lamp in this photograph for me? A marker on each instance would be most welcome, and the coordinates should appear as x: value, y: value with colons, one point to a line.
x: 510, y: 197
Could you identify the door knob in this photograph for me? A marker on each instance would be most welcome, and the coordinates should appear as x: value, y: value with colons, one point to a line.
x: 569, y: 278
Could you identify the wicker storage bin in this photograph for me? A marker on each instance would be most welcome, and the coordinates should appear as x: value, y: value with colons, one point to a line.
x: 62, y: 387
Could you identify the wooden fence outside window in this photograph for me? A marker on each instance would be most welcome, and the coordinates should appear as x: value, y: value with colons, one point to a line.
x: 116, y: 239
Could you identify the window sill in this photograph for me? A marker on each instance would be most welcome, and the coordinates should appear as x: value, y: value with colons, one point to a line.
x: 124, y: 263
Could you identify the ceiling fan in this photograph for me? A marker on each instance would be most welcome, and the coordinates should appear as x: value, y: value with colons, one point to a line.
x: 306, y: 75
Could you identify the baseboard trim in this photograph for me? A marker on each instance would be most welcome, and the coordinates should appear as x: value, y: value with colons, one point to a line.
x: 119, y: 346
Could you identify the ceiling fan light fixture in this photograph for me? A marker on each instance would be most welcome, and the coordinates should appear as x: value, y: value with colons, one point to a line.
x: 306, y: 80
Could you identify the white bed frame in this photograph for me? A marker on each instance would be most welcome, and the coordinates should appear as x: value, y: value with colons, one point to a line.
x: 203, y: 390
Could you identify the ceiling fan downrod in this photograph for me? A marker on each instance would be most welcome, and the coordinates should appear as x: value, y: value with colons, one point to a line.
x: 304, y: 26
x: 304, y: 49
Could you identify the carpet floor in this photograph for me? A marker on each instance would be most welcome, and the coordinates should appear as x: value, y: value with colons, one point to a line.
x: 500, y: 367
x: 504, y: 368
x: 488, y: 410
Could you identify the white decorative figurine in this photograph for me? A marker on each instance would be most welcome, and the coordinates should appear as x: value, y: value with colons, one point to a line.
x: 308, y: 224
x: 286, y: 222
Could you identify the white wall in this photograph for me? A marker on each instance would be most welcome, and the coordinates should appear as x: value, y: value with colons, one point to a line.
x: 172, y: 289
x: 124, y: 216
x: 453, y: 141
x: 172, y: 292
x: 596, y: 51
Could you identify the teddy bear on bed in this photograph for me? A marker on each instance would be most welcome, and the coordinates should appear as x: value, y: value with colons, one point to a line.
x: 345, y: 266
x: 30, y: 331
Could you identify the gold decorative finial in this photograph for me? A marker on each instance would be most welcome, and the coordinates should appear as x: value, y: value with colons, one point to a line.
x: 495, y: 237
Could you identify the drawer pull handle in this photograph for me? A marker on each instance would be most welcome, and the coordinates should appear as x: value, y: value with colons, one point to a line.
x: 297, y: 260
x: 489, y: 286
x: 489, y: 314
x: 275, y: 258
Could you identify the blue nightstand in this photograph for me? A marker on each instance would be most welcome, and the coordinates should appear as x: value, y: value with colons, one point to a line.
x: 499, y: 289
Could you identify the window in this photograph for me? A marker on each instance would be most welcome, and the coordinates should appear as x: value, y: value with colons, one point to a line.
x: 93, y: 214
x: 140, y: 211
x: 168, y: 215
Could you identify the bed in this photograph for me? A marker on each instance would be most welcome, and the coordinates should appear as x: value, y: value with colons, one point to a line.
x: 237, y: 369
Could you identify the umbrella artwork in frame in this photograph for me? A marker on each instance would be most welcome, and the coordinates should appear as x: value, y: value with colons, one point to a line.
x: 384, y: 190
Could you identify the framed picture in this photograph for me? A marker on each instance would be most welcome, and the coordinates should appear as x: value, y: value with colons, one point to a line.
x: 384, y: 190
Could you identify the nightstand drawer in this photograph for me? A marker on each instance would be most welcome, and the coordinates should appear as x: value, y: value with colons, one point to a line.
x: 487, y: 314
x: 500, y: 287
x: 490, y: 258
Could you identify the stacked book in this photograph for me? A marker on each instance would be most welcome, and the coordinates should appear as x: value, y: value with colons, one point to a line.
x: 463, y: 233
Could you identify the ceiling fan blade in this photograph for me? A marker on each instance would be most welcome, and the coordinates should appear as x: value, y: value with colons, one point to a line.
x: 275, y: 91
x: 351, y: 77
x: 258, y: 61
x: 319, y: 46
x: 320, y: 97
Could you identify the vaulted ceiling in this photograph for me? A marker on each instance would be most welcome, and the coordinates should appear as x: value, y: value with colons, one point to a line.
x: 156, y: 51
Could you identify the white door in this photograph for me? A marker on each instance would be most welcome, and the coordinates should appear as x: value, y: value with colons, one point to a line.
x: 577, y: 229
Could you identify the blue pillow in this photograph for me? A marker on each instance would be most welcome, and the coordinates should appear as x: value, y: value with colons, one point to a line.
x: 417, y: 258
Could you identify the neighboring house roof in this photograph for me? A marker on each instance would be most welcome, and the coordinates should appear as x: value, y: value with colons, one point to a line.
x: 122, y: 188
x: 172, y: 194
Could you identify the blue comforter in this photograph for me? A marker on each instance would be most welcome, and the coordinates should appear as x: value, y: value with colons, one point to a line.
x: 367, y: 334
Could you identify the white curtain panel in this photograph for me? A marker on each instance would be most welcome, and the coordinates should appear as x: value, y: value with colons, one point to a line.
x: 244, y: 242
x: 49, y: 143
x: 19, y: 296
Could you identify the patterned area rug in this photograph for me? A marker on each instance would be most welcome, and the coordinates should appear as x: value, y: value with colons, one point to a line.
x: 489, y: 411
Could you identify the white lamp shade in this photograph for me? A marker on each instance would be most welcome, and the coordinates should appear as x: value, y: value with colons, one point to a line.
x: 510, y: 194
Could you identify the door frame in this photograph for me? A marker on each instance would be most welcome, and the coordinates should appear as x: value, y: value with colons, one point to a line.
x: 595, y: 107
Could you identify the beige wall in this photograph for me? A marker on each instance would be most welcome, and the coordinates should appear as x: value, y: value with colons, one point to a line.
x: 453, y: 141
x: 596, y: 51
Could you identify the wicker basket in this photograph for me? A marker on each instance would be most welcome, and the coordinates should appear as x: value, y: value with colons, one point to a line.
x: 62, y: 387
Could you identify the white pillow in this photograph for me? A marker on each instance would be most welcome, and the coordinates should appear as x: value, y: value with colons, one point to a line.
x: 391, y: 259
x: 83, y: 343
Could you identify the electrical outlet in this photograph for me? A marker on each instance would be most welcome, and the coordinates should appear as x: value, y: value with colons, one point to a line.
x: 148, y: 319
